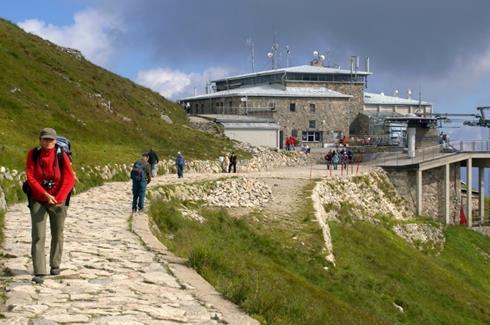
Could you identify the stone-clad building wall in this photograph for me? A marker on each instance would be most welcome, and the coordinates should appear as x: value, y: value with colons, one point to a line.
x: 432, y: 189
x: 331, y: 110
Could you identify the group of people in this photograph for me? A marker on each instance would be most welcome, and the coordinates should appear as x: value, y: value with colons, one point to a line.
x: 143, y: 170
x: 290, y: 143
x: 335, y: 157
x: 228, y: 163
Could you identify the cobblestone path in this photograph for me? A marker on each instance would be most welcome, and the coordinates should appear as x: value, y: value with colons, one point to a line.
x: 108, y: 276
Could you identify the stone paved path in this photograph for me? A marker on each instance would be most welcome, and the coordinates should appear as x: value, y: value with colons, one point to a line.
x: 108, y: 275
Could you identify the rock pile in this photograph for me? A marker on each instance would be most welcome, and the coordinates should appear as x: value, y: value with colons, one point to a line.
x: 422, y: 236
x: 229, y: 193
x: 364, y: 196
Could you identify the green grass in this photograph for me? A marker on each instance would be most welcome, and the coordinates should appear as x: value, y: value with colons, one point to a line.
x: 42, y: 86
x: 279, y: 280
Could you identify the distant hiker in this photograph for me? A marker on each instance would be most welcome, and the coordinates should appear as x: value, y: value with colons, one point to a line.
x: 141, y: 177
x: 225, y: 163
x: 328, y: 158
x: 50, y: 179
x: 187, y: 107
x: 335, y: 159
x: 180, y: 163
x: 153, y: 160
x: 233, y: 159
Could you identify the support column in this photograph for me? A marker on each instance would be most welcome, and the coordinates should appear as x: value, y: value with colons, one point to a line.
x: 419, y: 192
x: 481, y: 188
x: 411, y: 142
x: 469, y: 196
x: 447, y: 194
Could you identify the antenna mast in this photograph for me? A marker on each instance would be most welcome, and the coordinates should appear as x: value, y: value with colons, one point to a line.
x: 288, y: 52
x: 251, y: 44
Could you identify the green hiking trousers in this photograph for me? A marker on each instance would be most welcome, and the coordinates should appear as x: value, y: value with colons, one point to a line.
x: 57, y: 215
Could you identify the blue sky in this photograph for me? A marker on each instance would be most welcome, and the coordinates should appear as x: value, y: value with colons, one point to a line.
x: 174, y: 46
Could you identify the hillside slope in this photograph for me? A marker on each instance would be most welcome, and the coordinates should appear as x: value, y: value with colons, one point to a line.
x: 273, y: 264
x: 107, y: 117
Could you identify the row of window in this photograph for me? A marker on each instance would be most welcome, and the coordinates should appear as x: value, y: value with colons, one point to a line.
x: 312, y: 107
x: 279, y: 78
x: 292, y: 106
x: 307, y: 136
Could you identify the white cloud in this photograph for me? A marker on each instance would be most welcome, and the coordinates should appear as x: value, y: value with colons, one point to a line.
x: 175, y: 84
x: 93, y: 32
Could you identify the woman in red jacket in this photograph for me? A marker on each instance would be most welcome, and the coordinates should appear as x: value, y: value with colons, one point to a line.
x: 50, y: 178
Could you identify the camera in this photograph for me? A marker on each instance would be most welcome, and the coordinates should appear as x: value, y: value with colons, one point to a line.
x: 48, y: 184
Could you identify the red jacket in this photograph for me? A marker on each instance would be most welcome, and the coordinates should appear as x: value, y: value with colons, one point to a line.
x: 47, y: 168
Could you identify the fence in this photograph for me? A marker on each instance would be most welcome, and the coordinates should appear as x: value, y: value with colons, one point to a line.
x: 429, y: 153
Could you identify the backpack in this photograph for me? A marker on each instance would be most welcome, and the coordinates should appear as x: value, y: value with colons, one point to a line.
x: 62, y: 145
x: 138, y: 171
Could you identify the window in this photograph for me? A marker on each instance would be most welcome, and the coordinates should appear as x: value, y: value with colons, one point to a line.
x: 292, y: 107
x: 309, y: 136
x: 312, y: 108
x: 312, y: 124
x: 230, y: 104
x: 294, y: 133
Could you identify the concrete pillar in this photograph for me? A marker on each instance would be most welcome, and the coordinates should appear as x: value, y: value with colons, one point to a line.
x: 469, y: 196
x: 419, y: 192
x: 481, y: 188
x: 447, y: 194
x: 411, y: 142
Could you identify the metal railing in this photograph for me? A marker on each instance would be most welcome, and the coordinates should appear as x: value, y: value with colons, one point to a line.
x: 430, y: 153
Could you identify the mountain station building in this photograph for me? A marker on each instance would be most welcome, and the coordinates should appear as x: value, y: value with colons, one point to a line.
x: 313, y: 103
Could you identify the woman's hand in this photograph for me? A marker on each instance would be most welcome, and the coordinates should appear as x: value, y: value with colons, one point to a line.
x: 50, y: 198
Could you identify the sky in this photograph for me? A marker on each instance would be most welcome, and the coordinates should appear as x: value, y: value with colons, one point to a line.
x: 438, y: 48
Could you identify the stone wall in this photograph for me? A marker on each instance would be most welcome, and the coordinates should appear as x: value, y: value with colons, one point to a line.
x: 432, y: 189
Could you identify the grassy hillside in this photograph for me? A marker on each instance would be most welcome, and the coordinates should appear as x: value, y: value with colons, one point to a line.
x: 107, y: 117
x: 278, y: 273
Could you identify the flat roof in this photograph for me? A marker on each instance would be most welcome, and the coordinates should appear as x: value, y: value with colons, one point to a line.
x: 272, y: 91
x: 248, y: 125
x: 381, y: 99
x: 236, y: 118
x: 297, y: 69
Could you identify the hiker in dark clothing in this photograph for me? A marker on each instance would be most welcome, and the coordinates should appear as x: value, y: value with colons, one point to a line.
x: 141, y: 176
x: 180, y: 163
x: 153, y: 160
x: 233, y: 159
x: 50, y: 179
x: 328, y: 158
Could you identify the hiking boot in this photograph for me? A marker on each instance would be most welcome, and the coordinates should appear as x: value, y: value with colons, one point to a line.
x: 38, y: 279
x: 55, y: 271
